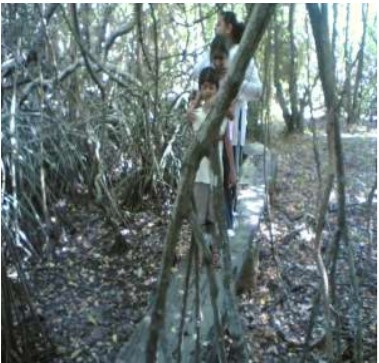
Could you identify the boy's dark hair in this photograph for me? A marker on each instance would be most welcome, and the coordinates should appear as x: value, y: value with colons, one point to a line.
x: 208, y: 74
x: 229, y: 17
x: 238, y: 27
x: 219, y: 44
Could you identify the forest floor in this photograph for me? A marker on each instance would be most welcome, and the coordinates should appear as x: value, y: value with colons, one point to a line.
x: 277, y: 311
x: 91, y: 297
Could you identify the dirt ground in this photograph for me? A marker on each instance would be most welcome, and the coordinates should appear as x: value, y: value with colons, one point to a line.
x: 277, y: 312
x: 91, y: 296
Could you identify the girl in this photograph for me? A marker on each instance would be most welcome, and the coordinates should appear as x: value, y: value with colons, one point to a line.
x: 251, y: 87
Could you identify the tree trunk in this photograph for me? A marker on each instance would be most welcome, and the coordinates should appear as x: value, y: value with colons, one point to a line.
x: 358, y: 79
x: 296, y: 119
x: 293, y: 118
x: 348, y: 67
x: 278, y: 85
x: 325, y: 60
x: 74, y: 90
x: 334, y: 34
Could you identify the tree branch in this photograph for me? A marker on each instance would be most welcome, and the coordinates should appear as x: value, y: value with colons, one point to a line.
x: 76, y: 32
x: 127, y: 28
x: 49, y: 82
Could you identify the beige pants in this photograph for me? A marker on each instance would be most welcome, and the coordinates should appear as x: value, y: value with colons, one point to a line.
x: 203, y: 195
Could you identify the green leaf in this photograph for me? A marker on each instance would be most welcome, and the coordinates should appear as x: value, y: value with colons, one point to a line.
x: 92, y: 320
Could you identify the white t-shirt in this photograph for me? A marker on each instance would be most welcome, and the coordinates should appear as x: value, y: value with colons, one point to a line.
x: 250, y: 89
x: 204, y: 173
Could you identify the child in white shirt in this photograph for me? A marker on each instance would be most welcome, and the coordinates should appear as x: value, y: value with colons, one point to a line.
x: 206, y: 180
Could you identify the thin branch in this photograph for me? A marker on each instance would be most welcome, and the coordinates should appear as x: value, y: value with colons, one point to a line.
x: 127, y: 28
x: 49, y: 82
x: 107, y: 69
x: 76, y: 33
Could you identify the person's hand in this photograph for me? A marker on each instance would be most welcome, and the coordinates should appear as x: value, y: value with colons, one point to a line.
x: 232, y: 178
x: 221, y: 72
x: 232, y: 106
x: 192, y: 106
x: 191, y: 115
x: 212, y: 100
x: 229, y: 114
x: 230, y: 111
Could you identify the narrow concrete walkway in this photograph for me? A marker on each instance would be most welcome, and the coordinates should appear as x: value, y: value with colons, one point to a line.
x: 250, y: 207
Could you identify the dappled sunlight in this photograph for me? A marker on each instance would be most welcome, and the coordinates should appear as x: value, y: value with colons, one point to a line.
x: 372, y: 134
x: 306, y: 234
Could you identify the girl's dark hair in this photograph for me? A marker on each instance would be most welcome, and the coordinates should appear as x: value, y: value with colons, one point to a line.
x: 238, y: 27
x: 208, y: 74
x: 219, y: 44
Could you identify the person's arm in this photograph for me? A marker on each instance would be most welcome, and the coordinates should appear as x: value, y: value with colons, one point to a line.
x: 193, y: 104
x: 229, y: 153
x: 251, y: 87
x: 230, y: 111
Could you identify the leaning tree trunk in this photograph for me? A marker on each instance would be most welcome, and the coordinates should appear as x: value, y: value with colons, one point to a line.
x: 255, y: 28
x: 319, y: 23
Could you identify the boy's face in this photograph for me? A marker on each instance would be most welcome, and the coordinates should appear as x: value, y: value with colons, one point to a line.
x: 220, y: 62
x: 222, y: 28
x: 208, y: 90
